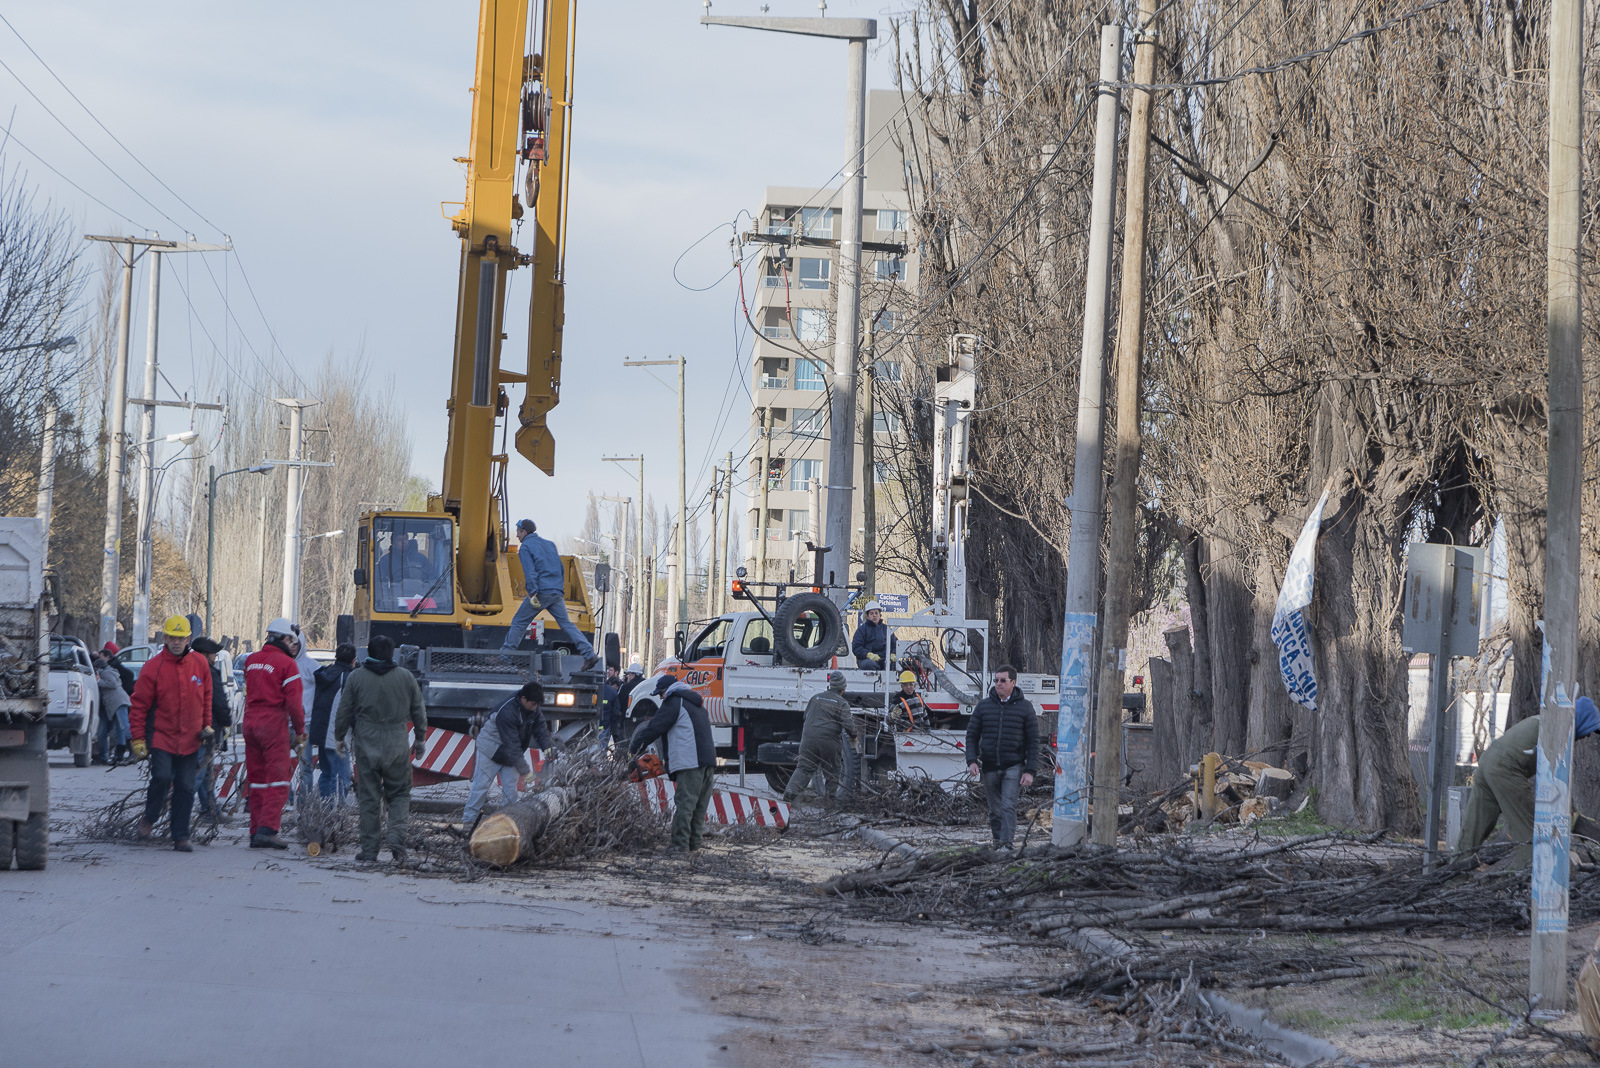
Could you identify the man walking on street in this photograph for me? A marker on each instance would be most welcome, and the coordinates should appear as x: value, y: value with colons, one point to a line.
x: 329, y: 683
x: 502, y: 752
x: 690, y: 754
x: 1003, y: 737
x: 170, y: 718
x: 379, y: 699
x: 273, y: 706
x: 221, y: 720
x: 821, y: 751
x: 546, y: 583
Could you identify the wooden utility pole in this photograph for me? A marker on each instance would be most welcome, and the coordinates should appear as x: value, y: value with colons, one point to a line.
x: 1547, y: 973
x: 1125, y: 486
x: 1070, y: 815
x: 761, y: 520
x: 869, y: 474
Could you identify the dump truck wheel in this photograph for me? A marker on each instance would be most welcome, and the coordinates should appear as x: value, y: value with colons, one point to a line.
x: 33, y: 842
x: 7, y: 840
x: 826, y: 616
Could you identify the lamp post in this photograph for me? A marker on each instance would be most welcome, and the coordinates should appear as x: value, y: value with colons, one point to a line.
x: 211, y: 523
x: 144, y: 530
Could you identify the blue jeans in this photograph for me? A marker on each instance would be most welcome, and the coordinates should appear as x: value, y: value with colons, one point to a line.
x: 175, y: 772
x: 335, y: 780
x: 113, y: 730
x: 484, y: 772
x: 1001, y: 789
x: 202, y: 790
x: 554, y: 602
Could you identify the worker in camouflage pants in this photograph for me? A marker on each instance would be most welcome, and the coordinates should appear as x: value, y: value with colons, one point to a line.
x: 821, y: 750
x: 1503, y: 783
x: 379, y: 699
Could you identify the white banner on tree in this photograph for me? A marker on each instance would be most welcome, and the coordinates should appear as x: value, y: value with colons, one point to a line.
x: 1289, y: 630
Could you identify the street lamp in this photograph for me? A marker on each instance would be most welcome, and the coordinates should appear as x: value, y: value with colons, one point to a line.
x: 211, y: 522
x: 51, y: 345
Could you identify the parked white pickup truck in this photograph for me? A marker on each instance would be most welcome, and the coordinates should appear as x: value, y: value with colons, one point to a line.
x: 756, y: 702
x: 74, y: 712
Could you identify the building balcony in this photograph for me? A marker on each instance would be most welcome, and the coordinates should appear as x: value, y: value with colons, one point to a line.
x: 773, y: 382
x: 776, y: 333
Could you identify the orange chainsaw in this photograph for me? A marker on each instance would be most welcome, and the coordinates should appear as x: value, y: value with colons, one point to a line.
x: 648, y: 766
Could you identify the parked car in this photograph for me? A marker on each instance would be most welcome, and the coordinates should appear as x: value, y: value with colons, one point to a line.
x: 74, y: 712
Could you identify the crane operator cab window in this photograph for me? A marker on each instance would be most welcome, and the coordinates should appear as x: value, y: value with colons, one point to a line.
x: 412, y: 566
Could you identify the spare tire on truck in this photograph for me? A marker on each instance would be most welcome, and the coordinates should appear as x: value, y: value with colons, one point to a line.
x: 817, y: 617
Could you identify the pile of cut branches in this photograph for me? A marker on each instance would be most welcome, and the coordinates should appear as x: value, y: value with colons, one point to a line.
x: 918, y: 799
x: 119, y: 821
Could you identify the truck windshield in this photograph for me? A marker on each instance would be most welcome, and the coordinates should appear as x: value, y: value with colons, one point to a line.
x: 412, y: 565
x: 712, y: 641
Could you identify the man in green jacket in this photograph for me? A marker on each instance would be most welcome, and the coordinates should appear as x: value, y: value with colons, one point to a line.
x: 379, y: 699
x: 822, y: 753
x: 1503, y: 783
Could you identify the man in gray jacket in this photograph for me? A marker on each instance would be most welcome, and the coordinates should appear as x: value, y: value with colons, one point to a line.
x: 821, y: 750
x: 503, y: 744
x: 684, y: 731
x: 379, y: 698
x: 111, y: 738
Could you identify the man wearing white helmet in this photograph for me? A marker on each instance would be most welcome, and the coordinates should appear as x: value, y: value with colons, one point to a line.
x: 273, y: 706
x: 871, y: 642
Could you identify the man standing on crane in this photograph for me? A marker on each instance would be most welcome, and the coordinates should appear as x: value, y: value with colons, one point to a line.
x: 547, y: 592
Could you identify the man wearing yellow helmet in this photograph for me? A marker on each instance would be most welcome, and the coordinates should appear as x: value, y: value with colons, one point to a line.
x: 170, y: 719
x: 906, y: 710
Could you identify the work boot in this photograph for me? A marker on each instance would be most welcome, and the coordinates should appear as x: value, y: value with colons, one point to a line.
x: 183, y: 846
x: 398, y: 852
x: 590, y: 661
x: 366, y: 858
x: 145, y: 829
x: 265, y: 839
x: 98, y: 761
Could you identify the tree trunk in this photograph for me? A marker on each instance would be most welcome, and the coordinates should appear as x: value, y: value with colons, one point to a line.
x: 507, y: 835
x: 1231, y: 628
x: 1271, y: 712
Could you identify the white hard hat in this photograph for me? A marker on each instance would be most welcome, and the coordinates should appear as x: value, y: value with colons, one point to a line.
x: 635, y: 668
x: 873, y: 605
x: 281, y: 626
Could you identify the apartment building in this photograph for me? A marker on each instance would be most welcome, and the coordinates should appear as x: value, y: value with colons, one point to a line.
x: 794, y: 310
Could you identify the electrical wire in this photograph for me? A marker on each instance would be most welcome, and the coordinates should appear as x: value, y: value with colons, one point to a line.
x: 12, y: 138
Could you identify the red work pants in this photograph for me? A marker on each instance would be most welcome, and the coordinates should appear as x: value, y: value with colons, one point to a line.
x: 268, y: 768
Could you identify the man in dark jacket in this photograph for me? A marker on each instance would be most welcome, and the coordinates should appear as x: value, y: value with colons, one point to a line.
x: 221, y: 719
x: 379, y: 699
x: 1003, y: 746
x: 690, y: 753
x: 828, y: 720
x: 871, y: 641
x: 503, y: 743
x: 329, y: 682
x: 546, y: 582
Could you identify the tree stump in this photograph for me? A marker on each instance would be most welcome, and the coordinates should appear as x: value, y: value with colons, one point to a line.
x: 503, y: 837
x: 1274, y: 782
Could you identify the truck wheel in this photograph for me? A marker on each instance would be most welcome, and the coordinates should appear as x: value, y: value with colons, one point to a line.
x: 33, y: 842
x: 7, y: 838
x: 778, y: 776
x: 807, y: 611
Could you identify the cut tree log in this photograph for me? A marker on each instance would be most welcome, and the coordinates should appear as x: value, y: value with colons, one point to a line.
x: 1274, y: 782
x: 505, y: 836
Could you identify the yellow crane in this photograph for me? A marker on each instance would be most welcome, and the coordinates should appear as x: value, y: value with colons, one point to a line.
x: 446, y: 579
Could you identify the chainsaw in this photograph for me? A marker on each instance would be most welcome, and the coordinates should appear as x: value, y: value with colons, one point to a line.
x: 645, y: 767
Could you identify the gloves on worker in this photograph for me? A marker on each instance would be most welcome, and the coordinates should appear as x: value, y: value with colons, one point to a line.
x: 206, y: 734
x: 140, y: 750
x: 299, y: 744
x: 417, y: 749
x: 522, y: 783
x: 344, y: 746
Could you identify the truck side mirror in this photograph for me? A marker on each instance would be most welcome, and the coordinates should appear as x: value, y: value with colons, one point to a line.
x: 602, y: 578
x: 677, y: 644
x: 361, y: 577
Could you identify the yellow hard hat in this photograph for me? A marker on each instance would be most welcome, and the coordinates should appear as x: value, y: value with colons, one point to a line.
x: 906, y: 676
x: 176, y: 627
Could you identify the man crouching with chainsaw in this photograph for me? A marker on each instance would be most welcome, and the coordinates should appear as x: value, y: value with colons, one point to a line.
x: 684, y: 731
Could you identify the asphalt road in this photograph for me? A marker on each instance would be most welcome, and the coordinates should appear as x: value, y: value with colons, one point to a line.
x: 136, y: 955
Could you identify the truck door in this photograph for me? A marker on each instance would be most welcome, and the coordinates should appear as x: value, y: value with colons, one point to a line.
x: 703, y: 662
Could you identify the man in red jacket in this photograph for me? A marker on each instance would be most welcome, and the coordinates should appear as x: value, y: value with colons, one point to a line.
x: 273, y: 706
x: 170, y: 719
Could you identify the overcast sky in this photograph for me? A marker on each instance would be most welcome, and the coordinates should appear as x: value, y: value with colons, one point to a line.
x: 321, y: 138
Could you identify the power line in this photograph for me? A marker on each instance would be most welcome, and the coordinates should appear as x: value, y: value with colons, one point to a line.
x: 12, y: 137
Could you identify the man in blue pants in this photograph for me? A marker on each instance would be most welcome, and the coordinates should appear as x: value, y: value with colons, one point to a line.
x: 547, y: 592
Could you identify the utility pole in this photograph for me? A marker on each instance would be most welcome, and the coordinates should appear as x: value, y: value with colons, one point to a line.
x: 1547, y: 973
x: 1070, y: 823
x: 869, y: 474
x: 727, y: 511
x: 650, y: 611
x: 261, y: 557
x: 842, y: 424
x: 642, y: 626
x: 291, y: 508
x: 761, y: 522
x: 814, y: 520
x: 711, y: 564
x: 1124, y: 488
x: 678, y: 566
x: 110, y: 570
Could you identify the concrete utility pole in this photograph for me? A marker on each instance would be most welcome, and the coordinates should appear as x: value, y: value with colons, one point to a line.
x: 641, y: 620
x: 678, y: 565
x: 761, y: 521
x: 291, y: 508
x: 1124, y: 489
x: 842, y: 425
x: 1547, y: 973
x: 869, y: 474
x: 261, y: 558
x: 1070, y: 822
x: 711, y: 564
x: 45, y: 505
x: 143, y: 544
x: 727, y: 512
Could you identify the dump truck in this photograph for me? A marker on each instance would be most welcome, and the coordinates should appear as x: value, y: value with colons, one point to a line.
x: 24, y: 695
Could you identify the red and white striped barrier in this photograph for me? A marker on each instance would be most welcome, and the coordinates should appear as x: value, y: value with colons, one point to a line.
x: 728, y: 806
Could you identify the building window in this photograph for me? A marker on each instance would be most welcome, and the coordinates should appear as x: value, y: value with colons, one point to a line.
x: 886, y: 320
x: 817, y: 222
x: 809, y: 422
x: 801, y: 474
x: 811, y: 324
x: 783, y: 220
x: 885, y: 422
x: 891, y: 220
x: 814, y: 273
x: 890, y: 269
x: 772, y: 277
x: 799, y: 524
x: 883, y: 472
x: 808, y: 376
x: 886, y: 370
x: 774, y: 524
